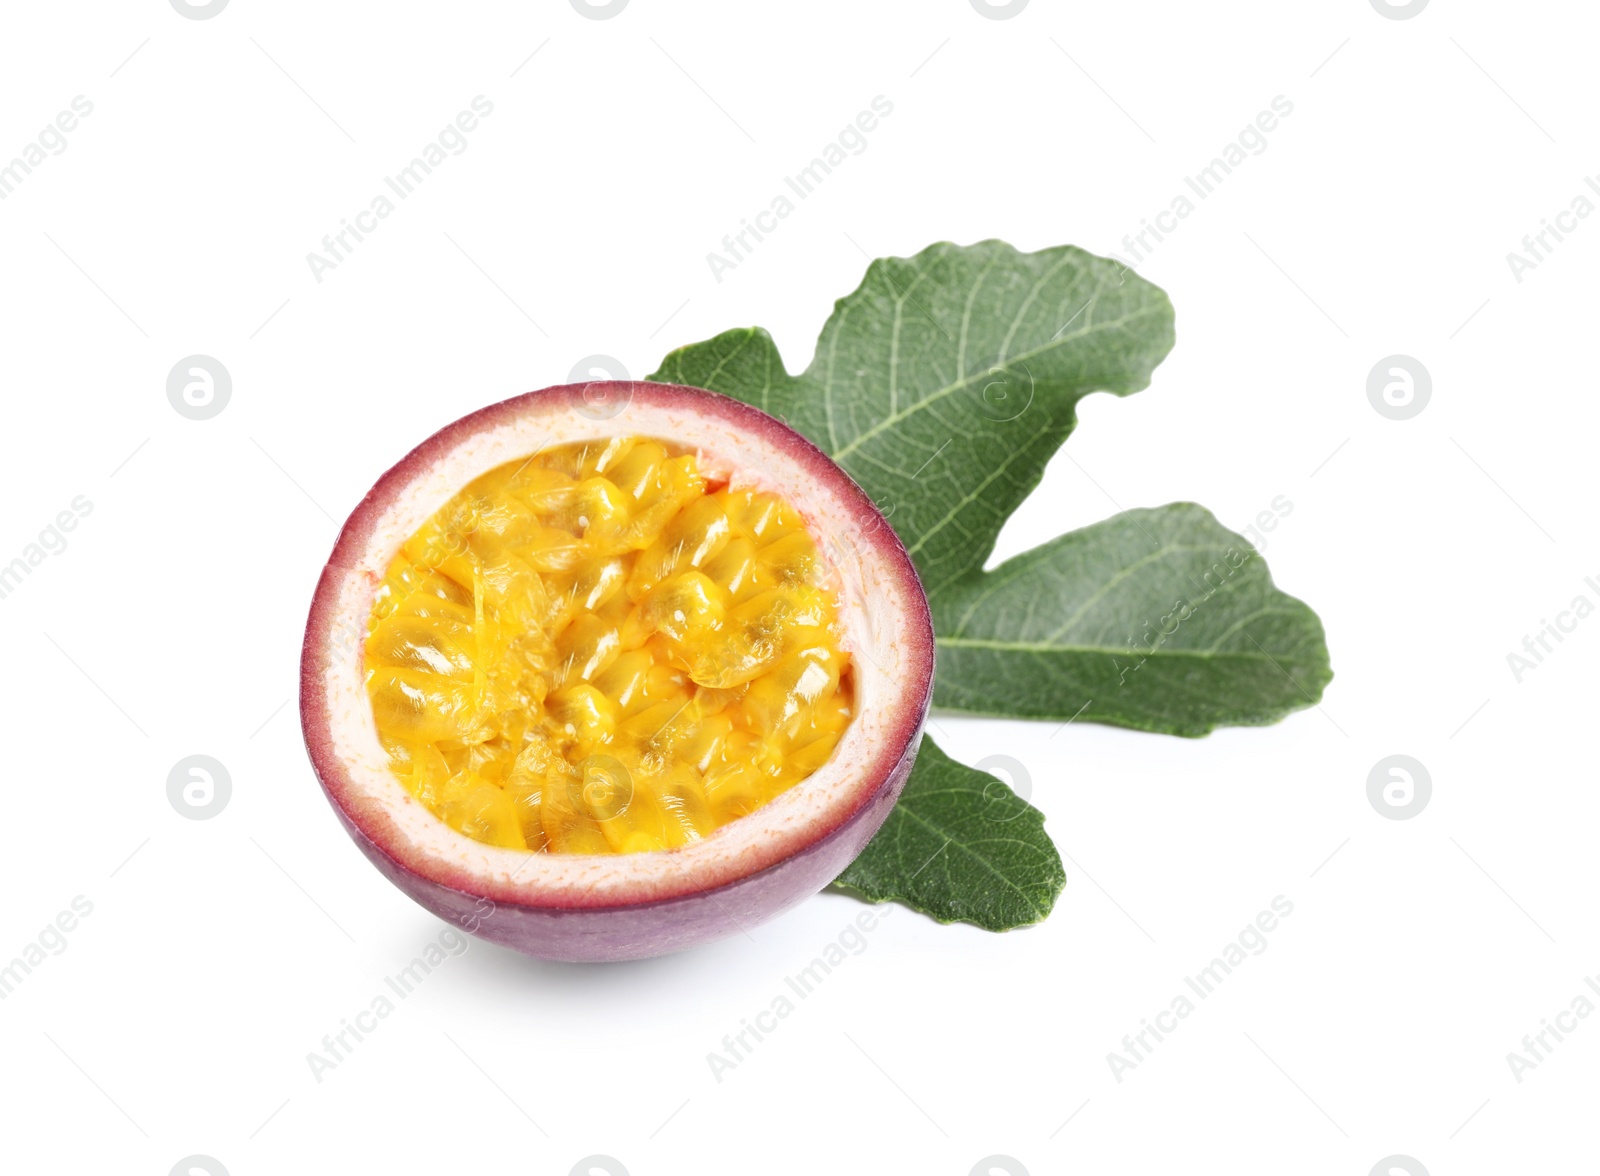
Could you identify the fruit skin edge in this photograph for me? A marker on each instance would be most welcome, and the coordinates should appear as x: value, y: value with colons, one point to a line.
x: 578, y: 932
x: 644, y: 930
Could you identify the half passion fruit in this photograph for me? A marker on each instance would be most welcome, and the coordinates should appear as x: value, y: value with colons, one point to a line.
x: 609, y: 670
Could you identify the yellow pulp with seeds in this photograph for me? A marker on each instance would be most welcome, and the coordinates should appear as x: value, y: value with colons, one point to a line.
x: 603, y: 650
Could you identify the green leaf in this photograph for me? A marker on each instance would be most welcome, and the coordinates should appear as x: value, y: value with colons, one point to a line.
x: 943, y: 385
x: 1163, y: 620
x: 946, y: 381
x: 960, y: 846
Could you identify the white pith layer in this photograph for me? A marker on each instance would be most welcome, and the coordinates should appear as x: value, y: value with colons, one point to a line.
x: 880, y: 632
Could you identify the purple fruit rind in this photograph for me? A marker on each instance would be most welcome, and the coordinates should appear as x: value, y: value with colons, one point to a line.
x: 670, y: 915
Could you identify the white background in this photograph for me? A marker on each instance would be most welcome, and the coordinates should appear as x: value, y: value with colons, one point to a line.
x: 178, y: 1017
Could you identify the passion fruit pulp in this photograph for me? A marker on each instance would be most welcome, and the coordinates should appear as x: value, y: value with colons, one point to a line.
x: 609, y: 670
x: 604, y: 648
